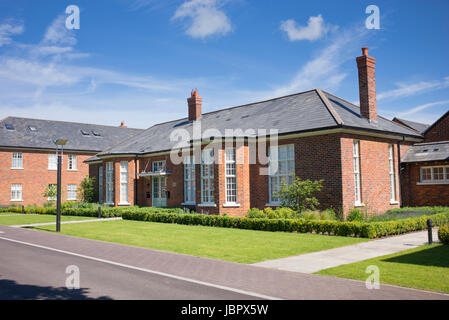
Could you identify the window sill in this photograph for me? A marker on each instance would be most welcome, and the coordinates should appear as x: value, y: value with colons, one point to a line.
x: 273, y: 204
x: 16, y: 168
x: 207, y: 205
x: 432, y: 183
x: 72, y: 170
x: 16, y: 200
x: 52, y: 169
x: 188, y: 204
x: 108, y: 203
x: 231, y: 205
x: 124, y: 204
x: 358, y: 204
x: 394, y: 202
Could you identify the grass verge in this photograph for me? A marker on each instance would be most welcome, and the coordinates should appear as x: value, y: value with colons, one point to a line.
x: 15, y: 219
x: 425, y: 268
x: 243, y: 246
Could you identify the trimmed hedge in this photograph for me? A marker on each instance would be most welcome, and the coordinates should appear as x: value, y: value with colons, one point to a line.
x: 443, y: 234
x: 356, y: 229
x: 106, y: 212
x: 176, y: 215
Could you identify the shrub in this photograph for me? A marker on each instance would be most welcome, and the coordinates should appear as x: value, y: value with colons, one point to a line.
x: 299, y: 194
x: 443, y: 234
x: 86, y: 190
x: 355, y: 215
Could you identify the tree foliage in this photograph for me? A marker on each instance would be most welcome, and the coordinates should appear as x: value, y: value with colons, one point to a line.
x: 86, y: 190
x: 300, y: 194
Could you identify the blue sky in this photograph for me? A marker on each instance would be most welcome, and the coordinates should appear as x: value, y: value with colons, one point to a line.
x: 137, y: 60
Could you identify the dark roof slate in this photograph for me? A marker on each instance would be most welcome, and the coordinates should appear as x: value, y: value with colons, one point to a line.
x: 431, y: 151
x: 418, y: 126
x: 47, y: 131
x: 305, y: 111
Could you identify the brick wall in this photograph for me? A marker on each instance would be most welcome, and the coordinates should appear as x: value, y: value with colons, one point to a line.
x: 439, y: 131
x: 35, y: 176
x: 327, y: 157
x: 423, y: 195
x: 375, y: 179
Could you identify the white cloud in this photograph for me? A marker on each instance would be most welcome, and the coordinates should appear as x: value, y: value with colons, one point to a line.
x: 206, y: 17
x: 58, y: 34
x: 324, y: 70
x: 7, y: 30
x: 406, y: 90
x: 315, y: 29
x: 423, y: 107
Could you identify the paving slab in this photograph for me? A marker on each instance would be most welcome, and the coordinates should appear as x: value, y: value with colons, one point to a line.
x: 316, y: 261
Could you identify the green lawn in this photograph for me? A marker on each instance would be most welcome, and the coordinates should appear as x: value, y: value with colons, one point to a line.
x: 425, y: 267
x: 244, y: 246
x: 16, y: 219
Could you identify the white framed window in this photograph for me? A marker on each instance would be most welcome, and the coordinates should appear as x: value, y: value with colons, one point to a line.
x: 158, y: 166
x: 434, y: 175
x: 281, y: 168
x: 189, y: 180
x: 109, y: 182
x: 124, y: 182
x: 231, y: 176
x: 100, y: 184
x: 357, y: 175
x: 207, y: 176
x: 52, y: 161
x: 55, y: 186
x: 17, y: 160
x: 392, y: 173
x: 71, y: 192
x: 71, y: 162
x: 16, y: 192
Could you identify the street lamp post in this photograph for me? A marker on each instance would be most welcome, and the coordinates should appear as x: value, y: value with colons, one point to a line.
x: 59, y: 146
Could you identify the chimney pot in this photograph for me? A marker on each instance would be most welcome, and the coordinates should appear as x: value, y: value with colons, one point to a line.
x: 122, y: 124
x: 194, y: 103
x: 367, y: 85
x: 365, y: 51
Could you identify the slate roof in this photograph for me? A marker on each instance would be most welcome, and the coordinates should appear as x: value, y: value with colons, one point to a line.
x: 306, y: 111
x: 46, y: 131
x: 418, y: 126
x: 431, y: 151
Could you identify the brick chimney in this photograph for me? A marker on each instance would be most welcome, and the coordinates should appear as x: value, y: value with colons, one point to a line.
x: 194, y: 103
x: 367, y: 85
x: 122, y: 124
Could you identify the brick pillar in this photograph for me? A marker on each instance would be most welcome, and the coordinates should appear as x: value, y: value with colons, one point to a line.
x: 194, y: 103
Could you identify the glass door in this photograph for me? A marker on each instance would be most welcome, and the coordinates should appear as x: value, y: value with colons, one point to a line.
x: 159, y: 192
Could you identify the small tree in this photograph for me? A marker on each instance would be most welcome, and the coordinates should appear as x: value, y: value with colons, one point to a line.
x: 86, y: 190
x: 299, y: 195
x: 50, y: 192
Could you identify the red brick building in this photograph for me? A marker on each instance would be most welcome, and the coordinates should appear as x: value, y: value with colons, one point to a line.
x: 28, y: 157
x: 425, y: 171
x: 318, y: 136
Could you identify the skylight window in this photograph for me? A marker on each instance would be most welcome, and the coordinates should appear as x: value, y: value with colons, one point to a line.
x: 34, y: 129
x: 85, y: 133
x: 9, y: 126
x: 96, y: 133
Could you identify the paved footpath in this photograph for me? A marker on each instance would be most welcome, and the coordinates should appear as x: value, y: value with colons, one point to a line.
x: 63, y: 222
x: 35, y: 261
x: 315, y: 261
